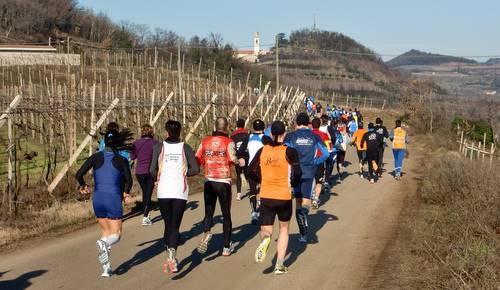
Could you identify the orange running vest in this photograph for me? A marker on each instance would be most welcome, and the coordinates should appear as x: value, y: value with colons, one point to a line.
x: 275, y: 172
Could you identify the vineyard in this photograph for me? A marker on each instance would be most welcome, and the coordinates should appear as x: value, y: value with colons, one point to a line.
x: 52, y: 115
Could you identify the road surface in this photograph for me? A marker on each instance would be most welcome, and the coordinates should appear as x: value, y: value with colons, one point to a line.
x: 348, y: 233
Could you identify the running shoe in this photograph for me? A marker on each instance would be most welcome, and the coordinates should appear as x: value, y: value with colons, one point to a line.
x: 238, y: 196
x: 280, y: 270
x: 303, y: 239
x: 103, y: 250
x: 146, y: 221
x: 106, y: 270
x: 315, y: 204
x: 226, y: 252
x: 255, y: 218
x: 170, y: 266
x: 372, y: 180
x: 361, y: 176
x: 261, y: 252
x: 203, y: 245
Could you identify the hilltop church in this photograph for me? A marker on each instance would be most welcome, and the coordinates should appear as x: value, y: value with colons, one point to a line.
x: 251, y: 55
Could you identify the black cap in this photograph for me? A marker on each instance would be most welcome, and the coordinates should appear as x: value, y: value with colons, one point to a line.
x: 278, y: 128
x: 370, y: 126
x: 258, y: 125
x: 302, y: 119
x: 378, y: 121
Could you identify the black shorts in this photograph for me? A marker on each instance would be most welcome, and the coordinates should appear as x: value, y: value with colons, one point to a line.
x: 319, y: 177
x: 269, y: 208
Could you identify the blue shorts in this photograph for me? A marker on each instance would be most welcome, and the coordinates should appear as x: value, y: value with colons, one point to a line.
x: 107, y: 205
x: 305, y: 189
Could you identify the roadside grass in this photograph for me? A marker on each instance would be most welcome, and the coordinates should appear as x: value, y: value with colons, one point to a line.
x: 456, y: 243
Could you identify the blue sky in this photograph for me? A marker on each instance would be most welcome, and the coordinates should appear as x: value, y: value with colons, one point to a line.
x: 460, y: 27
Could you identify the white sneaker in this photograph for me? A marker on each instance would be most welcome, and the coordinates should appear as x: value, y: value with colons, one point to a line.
x: 372, y: 180
x: 238, y: 196
x: 146, y: 221
x: 255, y: 218
x: 102, y: 248
x: 106, y: 270
x: 361, y: 176
x: 226, y: 252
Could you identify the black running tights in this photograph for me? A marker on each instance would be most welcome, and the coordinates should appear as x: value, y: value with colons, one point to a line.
x: 172, y: 211
x: 222, y: 191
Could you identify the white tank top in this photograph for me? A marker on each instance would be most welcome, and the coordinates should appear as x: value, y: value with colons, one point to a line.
x: 172, y: 181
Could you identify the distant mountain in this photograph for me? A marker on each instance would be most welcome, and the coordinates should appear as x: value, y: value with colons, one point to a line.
x: 493, y: 61
x: 416, y: 57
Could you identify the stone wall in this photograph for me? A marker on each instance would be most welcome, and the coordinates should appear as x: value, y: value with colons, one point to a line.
x: 40, y: 58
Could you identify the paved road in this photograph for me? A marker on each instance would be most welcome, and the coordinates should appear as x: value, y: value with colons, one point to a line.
x: 349, y: 231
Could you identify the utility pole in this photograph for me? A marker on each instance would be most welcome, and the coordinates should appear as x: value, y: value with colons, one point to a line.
x: 277, y: 65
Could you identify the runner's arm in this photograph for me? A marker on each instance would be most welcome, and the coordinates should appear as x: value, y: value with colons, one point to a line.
x: 153, y: 168
x: 232, y: 153
x: 253, y: 170
x: 242, y: 151
x: 86, y: 166
x: 363, y: 140
x: 324, y: 153
x: 292, y: 156
x: 124, y: 167
x: 193, y: 166
x: 266, y: 140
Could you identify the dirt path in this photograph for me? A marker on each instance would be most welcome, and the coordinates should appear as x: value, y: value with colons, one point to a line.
x: 349, y: 232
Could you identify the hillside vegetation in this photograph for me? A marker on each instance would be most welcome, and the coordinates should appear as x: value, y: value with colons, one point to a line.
x: 416, y: 57
x: 326, y: 62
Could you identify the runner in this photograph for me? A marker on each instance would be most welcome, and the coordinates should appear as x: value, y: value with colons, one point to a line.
x: 382, y: 131
x: 399, y: 139
x: 246, y: 154
x: 319, y: 178
x: 372, y: 141
x: 341, y: 140
x: 112, y: 184
x: 306, y: 143
x: 361, y: 150
x: 173, y: 161
x: 352, y: 126
x: 330, y: 162
x: 277, y: 167
x: 239, y: 136
x: 216, y: 153
x: 143, y: 152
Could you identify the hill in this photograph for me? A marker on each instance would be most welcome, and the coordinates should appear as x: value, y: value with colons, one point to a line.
x: 492, y: 61
x: 416, y: 57
x: 327, y: 61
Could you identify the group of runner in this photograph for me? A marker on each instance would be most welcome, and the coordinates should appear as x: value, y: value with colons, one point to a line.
x: 277, y: 166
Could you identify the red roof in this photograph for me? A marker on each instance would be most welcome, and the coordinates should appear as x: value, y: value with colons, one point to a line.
x: 245, y: 52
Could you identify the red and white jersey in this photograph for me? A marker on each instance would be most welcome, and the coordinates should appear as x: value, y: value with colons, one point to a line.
x: 215, y: 155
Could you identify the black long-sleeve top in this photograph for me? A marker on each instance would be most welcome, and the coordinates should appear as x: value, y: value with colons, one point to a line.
x: 193, y: 166
x: 97, y: 160
x: 292, y: 157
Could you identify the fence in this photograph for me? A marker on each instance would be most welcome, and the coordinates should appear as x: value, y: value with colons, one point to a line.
x: 56, y: 116
x: 477, y: 149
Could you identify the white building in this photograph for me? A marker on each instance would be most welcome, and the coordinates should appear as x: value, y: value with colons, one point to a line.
x: 251, y: 55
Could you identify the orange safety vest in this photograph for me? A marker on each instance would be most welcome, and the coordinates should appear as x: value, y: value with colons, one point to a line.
x: 399, y: 141
x: 275, y: 172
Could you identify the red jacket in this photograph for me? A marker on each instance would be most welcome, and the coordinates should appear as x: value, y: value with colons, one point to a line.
x: 213, y: 154
x: 326, y: 140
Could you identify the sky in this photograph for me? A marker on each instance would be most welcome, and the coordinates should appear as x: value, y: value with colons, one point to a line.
x: 389, y: 27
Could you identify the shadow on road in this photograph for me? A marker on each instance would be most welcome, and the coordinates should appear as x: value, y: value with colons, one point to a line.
x: 21, y: 282
x: 241, y: 235
x: 295, y: 248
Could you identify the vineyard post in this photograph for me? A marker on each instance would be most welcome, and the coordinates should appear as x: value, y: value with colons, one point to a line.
x: 78, y: 151
x: 200, y: 118
x: 92, y: 114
